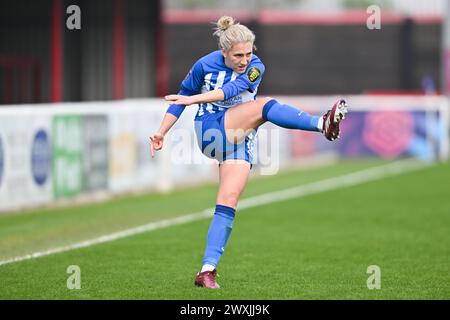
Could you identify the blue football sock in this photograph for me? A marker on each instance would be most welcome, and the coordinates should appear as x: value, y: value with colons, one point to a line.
x: 289, y: 117
x: 218, y: 234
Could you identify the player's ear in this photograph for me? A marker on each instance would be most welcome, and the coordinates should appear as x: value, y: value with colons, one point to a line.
x: 224, y: 53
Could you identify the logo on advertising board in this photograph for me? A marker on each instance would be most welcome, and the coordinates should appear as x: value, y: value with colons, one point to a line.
x: 389, y: 133
x: 67, y: 156
x: 40, y: 157
x: 95, y: 152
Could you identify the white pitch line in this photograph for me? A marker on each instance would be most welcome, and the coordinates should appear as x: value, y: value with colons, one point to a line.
x: 346, y: 180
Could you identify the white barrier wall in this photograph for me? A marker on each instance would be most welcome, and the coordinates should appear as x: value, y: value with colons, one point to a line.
x: 63, y: 151
x: 55, y: 152
x: 26, y: 174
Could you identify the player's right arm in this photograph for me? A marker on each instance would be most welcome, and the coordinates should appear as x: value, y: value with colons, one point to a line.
x: 249, y: 80
x: 157, y: 139
x: 190, y: 86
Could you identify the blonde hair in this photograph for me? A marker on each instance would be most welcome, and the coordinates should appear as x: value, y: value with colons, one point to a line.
x: 230, y: 32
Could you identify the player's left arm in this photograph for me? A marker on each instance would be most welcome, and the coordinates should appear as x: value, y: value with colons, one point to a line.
x: 211, y: 96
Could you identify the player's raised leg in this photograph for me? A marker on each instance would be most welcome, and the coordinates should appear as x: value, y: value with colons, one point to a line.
x: 233, y: 178
x: 240, y: 120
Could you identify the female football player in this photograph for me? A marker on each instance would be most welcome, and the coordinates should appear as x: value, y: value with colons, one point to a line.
x: 224, y: 84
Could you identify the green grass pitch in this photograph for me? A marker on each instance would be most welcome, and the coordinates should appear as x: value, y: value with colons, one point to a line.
x: 314, y: 247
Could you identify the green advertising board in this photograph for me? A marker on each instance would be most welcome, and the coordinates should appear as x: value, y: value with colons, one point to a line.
x: 67, y: 156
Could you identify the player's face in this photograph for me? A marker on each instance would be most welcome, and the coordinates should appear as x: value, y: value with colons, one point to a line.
x: 239, y: 56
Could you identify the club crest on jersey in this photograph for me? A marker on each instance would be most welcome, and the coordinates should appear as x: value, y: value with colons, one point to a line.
x: 253, y: 74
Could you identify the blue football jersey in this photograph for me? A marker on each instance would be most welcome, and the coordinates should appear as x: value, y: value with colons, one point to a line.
x: 210, y: 73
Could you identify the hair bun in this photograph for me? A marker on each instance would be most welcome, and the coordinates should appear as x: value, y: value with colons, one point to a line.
x: 224, y: 23
x: 230, y: 32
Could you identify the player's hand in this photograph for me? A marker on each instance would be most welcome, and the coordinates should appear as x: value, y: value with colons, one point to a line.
x: 156, y: 143
x: 179, y: 99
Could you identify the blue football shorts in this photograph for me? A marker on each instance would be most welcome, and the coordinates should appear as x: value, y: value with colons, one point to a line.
x: 212, y: 141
